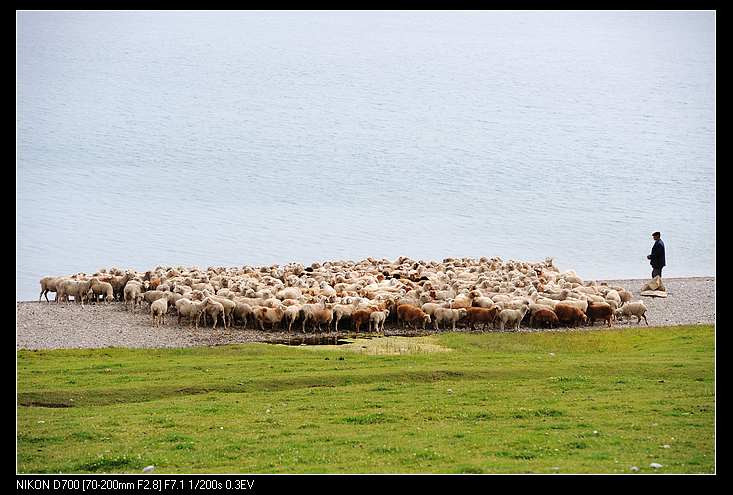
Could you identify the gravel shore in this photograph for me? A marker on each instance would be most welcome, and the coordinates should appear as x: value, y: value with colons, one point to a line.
x: 51, y: 326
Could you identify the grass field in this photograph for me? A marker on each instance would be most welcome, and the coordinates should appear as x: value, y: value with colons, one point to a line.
x: 575, y: 402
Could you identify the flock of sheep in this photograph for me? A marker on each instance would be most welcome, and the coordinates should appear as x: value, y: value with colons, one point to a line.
x: 457, y: 291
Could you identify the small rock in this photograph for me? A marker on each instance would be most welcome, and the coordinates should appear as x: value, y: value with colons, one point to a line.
x: 634, y: 468
x: 595, y: 432
x: 450, y: 390
x: 552, y: 354
x: 665, y: 446
x: 41, y: 422
x: 268, y: 411
x: 655, y: 465
x: 148, y: 469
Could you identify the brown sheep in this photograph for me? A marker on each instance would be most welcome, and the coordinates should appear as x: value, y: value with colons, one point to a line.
x: 321, y: 316
x: 569, y: 315
x: 543, y: 316
x: 407, y: 313
x: 481, y: 315
x: 269, y: 315
x: 48, y: 284
x: 361, y: 316
x: 599, y: 311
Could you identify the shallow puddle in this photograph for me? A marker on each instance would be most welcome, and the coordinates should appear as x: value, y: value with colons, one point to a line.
x: 310, y: 340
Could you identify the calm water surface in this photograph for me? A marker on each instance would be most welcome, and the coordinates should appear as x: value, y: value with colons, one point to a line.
x: 214, y: 138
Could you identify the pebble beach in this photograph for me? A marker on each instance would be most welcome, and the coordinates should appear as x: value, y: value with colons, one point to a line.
x: 45, y: 325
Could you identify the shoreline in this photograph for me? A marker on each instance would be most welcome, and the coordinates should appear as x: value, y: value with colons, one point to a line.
x: 690, y: 301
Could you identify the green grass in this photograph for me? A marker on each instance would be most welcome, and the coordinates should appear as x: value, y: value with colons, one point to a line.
x: 578, y: 402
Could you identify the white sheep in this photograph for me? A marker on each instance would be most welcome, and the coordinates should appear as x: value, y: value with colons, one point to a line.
x: 99, y: 288
x: 340, y: 311
x: 158, y: 309
x: 213, y: 308
x: 633, y: 308
x: 190, y: 309
x: 377, y: 318
x: 448, y: 316
x: 512, y: 317
x: 133, y: 294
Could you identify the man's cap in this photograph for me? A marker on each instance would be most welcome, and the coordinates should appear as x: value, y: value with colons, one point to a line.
x: 656, y: 233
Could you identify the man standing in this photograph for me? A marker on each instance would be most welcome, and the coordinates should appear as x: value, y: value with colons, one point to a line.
x: 657, y: 256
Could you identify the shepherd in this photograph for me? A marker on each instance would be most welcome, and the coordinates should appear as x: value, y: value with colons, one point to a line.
x: 657, y: 255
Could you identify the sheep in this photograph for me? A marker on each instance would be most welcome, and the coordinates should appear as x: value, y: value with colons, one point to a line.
x: 544, y: 316
x: 133, y: 294
x: 341, y: 311
x: 462, y: 301
x: 601, y: 311
x: 213, y: 308
x: 264, y: 315
x: 118, y: 285
x: 307, y: 310
x: 289, y: 293
x: 613, y: 295
x: 228, y: 305
x: 61, y: 289
x: 158, y: 309
x: 377, y: 318
x: 625, y: 296
x: 368, y: 285
x: 242, y: 311
x: 581, y: 304
x: 361, y: 316
x: 410, y: 314
x: 190, y: 309
x: 481, y: 315
x: 482, y: 302
x: 99, y: 288
x: 512, y: 317
x: 632, y: 308
x: 443, y: 315
x: 77, y: 288
x: 568, y: 314
x: 319, y: 316
x: 291, y: 314
x: 430, y: 307
x: 172, y: 298
x: 153, y: 295
x: 48, y: 284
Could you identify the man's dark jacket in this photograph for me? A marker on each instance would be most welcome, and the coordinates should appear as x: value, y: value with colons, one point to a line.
x: 657, y: 259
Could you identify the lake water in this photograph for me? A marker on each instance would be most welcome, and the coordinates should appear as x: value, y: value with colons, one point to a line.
x: 232, y: 138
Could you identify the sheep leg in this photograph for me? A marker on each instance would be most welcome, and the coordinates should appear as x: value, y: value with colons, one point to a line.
x: 645, y: 320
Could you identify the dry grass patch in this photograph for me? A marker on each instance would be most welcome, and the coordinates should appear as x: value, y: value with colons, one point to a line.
x: 387, y: 346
